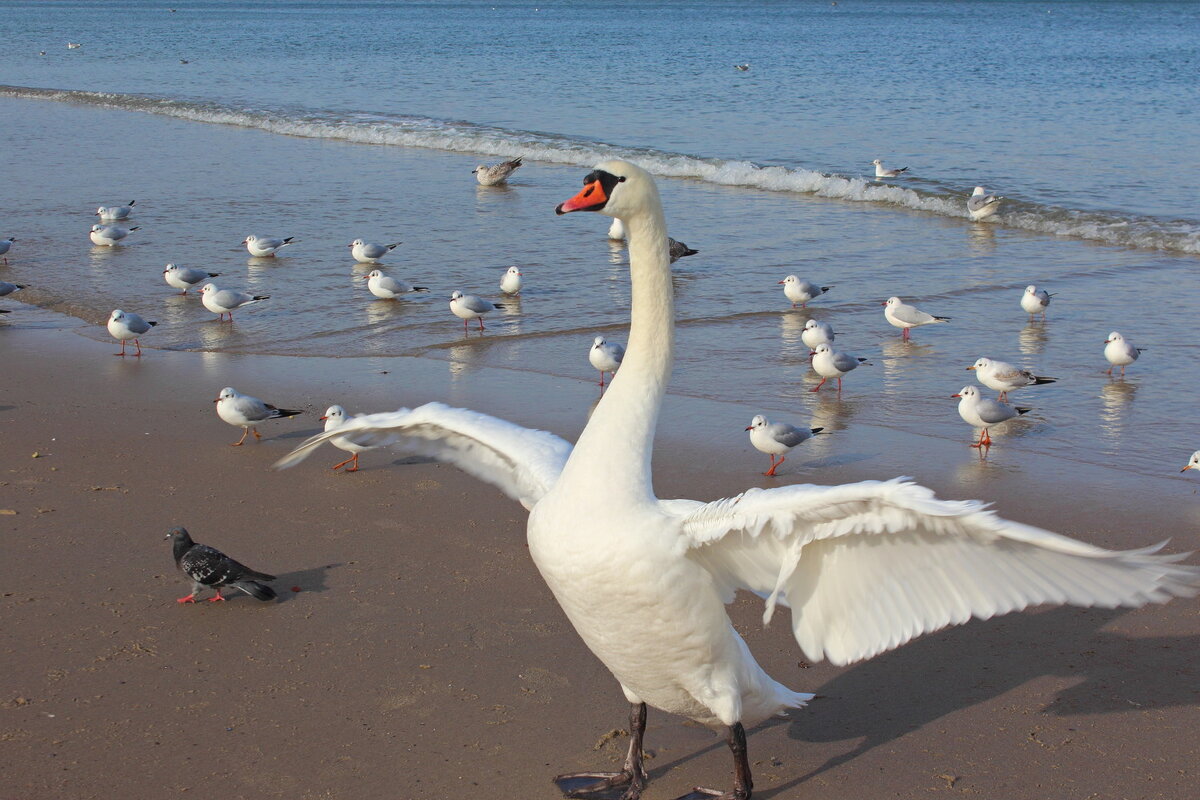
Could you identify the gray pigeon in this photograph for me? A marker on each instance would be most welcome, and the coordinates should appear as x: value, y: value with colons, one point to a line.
x: 207, y: 566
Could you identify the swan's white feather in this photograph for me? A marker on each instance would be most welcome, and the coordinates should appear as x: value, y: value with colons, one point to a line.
x: 522, y: 462
x: 868, y: 566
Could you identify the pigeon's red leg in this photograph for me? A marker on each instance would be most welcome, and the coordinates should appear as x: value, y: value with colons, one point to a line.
x: 218, y: 599
x: 191, y: 598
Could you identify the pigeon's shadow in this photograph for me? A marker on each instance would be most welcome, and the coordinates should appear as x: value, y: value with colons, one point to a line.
x: 289, y: 584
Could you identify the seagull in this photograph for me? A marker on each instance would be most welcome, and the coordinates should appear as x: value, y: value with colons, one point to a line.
x: 5, y: 244
x: 209, y: 567
x: 1119, y: 352
x: 606, y: 356
x: 678, y: 250
x: 368, y: 252
x: 185, y: 277
x: 388, y: 288
x: 112, y: 213
x: 109, y: 235
x: 801, y: 292
x: 816, y: 333
x: 468, y: 306
x: 883, y: 172
x: 125, y: 325
x: 1193, y: 462
x: 616, y: 231
x: 983, y: 412
x: 1004, y: 377
x: 865, y: 567
x: 496, y: 174
x: 224, y: 301
x: 73, y: 45
x: 777, y: 438
x: 982, y: 205
x: 510, y: 281
x: 1035, y: 300
x: 901, y: 315
x: 7, y: 288
x: 828, y: 364
x: 742, y: 67
x: 243, y: 411
x: 334, y: 418
x: 264, y: 246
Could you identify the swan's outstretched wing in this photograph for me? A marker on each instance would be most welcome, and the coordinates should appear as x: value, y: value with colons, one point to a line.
x: 868, y: 566
x: 522, y: 462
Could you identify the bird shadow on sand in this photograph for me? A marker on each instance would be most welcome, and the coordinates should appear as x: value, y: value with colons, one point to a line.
x: 884, y: 698
x: 306, y: 580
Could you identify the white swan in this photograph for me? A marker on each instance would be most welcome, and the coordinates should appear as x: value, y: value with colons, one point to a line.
x: 865, y: 567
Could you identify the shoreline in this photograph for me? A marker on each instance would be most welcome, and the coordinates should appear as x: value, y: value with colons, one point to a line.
x: 424, y: 656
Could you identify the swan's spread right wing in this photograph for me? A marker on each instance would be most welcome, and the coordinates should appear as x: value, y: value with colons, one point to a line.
x: 522, y: 462
x: 868, y: 566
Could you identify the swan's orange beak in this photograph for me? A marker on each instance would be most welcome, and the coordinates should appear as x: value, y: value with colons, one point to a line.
x: 590, y: 198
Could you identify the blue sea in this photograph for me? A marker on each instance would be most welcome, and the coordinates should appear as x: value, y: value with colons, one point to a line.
x: 329, y: 121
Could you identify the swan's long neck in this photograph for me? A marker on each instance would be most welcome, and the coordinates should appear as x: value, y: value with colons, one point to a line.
x: 617, y: 443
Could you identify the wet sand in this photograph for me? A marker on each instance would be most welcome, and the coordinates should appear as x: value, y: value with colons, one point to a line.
x: 424, y: 657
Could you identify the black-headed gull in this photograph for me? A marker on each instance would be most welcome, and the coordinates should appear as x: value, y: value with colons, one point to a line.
x: 7, y: 288
x: 1035, y: 300
x: 901, y: 315
x: 1193, y: 462
x: 109, y: 235
x: 335, y: 417
x: 983, y: 412
x: 800, y: 291
x: 606, y: 356
x: 777, y: 438
x: 5, y: 244
x: 114, y: 213
x: 125, y: 325
x: 224, y: 301
x: 510, y: 281
x: 209, y: 568
x: 496, y: 173
x: 265, y: 246
x: 185, y: 277
x: 883, y: 172
x: 386, y: 287
x: 468, y: 306
x: 981, y: 205
x: 816, y: 332
x: 1119, y: 352
x: 245, y: 412
x: 828, y: 364
x: 368, y: 252
x: 1005, y: 377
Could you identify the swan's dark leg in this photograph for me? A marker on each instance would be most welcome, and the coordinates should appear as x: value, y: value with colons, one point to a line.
x: 632, y: 774
x: 742, y: 784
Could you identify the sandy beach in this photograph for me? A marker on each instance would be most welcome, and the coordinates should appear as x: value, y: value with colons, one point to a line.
x: 422, y: 656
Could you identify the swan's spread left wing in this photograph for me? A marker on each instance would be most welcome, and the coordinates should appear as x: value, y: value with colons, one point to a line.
x: 866, y: 567
x: 522, y: 462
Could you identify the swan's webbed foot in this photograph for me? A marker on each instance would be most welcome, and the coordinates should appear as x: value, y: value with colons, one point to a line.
x: 633, y: 774
x: 742, y: 784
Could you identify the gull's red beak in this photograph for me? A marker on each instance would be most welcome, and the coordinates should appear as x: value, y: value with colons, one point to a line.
x: 956, y: 395
x: 591, y: 197
x: 751, y: 427
x: 782, y: 282
x: 322, y: 418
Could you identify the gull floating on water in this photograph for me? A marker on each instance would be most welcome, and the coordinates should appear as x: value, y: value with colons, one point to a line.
x: 73, y: 45
x: 983, y: 412
x: 112, y: 213
x: 264, y: 246
x: 828, y: 364
x: 777, y: 438
x: 606, y: 356
x: 468, y: 306
x: 816, y: 332
x: 109, y: 235
x: 510, y: 281
x: 883, y: 172
x: 676, y: 248
x: 245, y: 412
x: 742, y: 67
x: 1119, y: 352
x: 388, y: 288
x: 125, y: 325
x: 225, y: 301
x: 981, y: 205
x: 334, y: 418
x: 901, y: 315
x: 864, y: 567
x: 5, y: 245
x: 801, y: 292
x: 496, y: 173
x: 369, y: 252
x: 1035, y: 300
x: 185, y: 277
x: 1004, y: 377
x: 1193, y: 462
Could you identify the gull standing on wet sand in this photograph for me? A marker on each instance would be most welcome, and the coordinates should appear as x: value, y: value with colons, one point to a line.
x: 369, y: 252
x: 386, y: 287
x: 114, y: 213
x: 828, y: 364
x: 981, y: 205
x: 983, y: 412
x: 606, y: 356
x: 801, y: 292
x: 468, y: 306
x: 883, y: 172
x: 125, y: 325
x: 777, y: 438
x: 109, y: 235
x: 496, y: 174
x: 901, y: 315
x: 185, y: 277
x: 1004, y: 377
x: 245, y: 412
x: 1119, y: 352
x: 264, y: 246
x: 224, y: 301
x: 1035, y: 300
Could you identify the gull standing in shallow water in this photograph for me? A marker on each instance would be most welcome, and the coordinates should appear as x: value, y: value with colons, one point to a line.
x: 901, y: 315
x: 496, y: 174
x: 801, y: 292
x: 468, y: 307
x: 369, y: 252
x: 864, y: 567
x: 264, y: 246
x: 1119, y: 352
x: 606, y: 356
x: 777, y: 438
x: 981, y: 205
x: 225, y: 301
x: 125, y: 325
x: 185, y: 277
x: 816, y: 332
x: 883, y: 172
x: 243, y: 411
x: 387, y: 288
x: 109, y: 235
x: 1004, y: 377
x: 510, y: 281
x: 983, y: 412
x: 5, y: 244
x: 114, y: 213
x: 828, y: 364
x: 1035, y: 300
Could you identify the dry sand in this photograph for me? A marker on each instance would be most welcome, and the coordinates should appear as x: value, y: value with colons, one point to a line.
x: 423, y: 657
